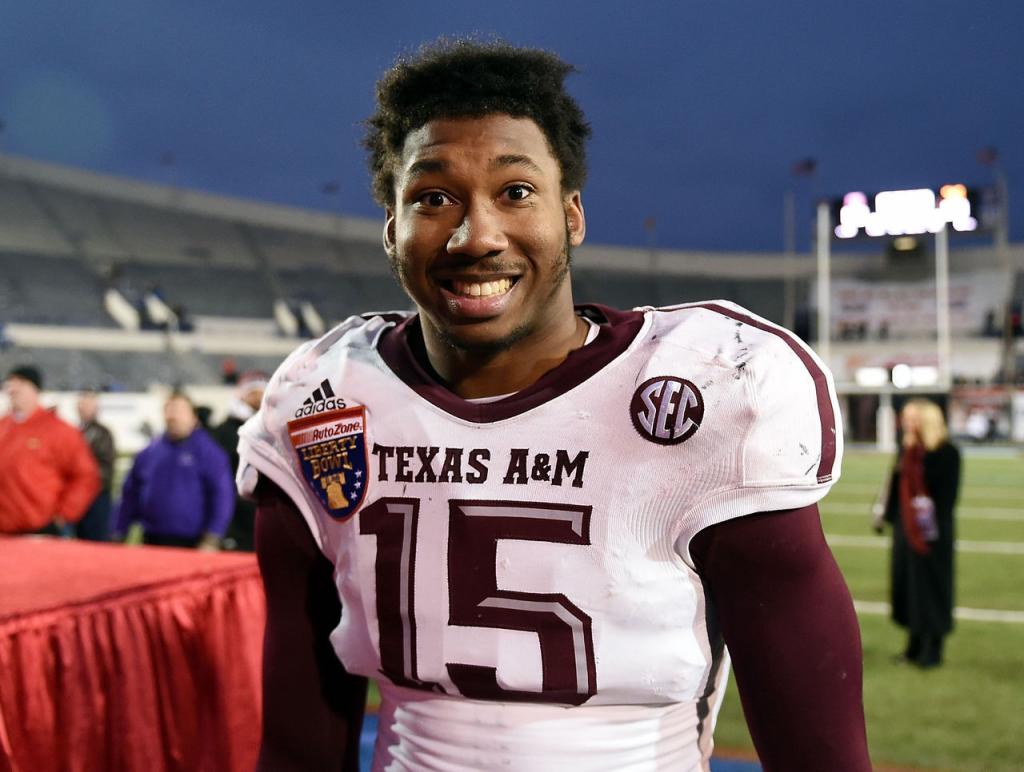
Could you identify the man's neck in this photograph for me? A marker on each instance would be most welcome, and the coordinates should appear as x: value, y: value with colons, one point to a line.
x: 472, y: 374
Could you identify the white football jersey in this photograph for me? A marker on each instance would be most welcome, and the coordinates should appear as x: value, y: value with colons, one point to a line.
x: 516, y: 573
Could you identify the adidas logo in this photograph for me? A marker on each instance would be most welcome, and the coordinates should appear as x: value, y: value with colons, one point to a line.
x: 320, y: 401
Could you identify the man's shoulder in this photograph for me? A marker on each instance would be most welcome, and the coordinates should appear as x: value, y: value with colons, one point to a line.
x: 153, y: 451
x: 56, y: 426
x: 731, y: 333
x: 206, y: 441
x: 357, y: 333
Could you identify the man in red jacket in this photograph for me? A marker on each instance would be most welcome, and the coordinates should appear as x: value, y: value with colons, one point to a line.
x: 47, y: 474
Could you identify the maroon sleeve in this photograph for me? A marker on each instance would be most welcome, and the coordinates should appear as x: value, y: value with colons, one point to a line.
x: 312, y: 708
x: 788, y: 620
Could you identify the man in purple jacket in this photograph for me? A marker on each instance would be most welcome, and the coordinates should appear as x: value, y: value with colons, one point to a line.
x: 180, y: 487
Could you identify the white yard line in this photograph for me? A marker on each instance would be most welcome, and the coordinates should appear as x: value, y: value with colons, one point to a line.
x: 967, y: 490
x: 970, y: 614
x: 861, y: 509
x: 884, y: 542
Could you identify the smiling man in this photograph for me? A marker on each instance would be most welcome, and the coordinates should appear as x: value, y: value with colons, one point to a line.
x: 538, y: 525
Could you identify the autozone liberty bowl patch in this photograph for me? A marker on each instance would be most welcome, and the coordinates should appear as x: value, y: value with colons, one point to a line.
x: 331, y: 448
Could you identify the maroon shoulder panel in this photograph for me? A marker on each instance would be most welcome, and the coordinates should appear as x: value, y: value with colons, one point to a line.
x: 825, y: 412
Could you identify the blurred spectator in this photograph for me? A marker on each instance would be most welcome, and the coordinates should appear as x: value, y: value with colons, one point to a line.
x: 47, y: 475
x: 180, y: 487
x: 204, y: 413
x: 247, y: 401
x: 919, y: 505
x: 228, y: 371
x: 95, y: 525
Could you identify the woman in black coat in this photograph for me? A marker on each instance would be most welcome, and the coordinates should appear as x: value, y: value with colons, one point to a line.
x: 922, y: 495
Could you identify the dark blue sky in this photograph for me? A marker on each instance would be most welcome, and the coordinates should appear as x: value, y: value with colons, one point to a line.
x: 698, y: 109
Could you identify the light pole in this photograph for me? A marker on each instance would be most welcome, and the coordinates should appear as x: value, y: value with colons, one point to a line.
x: 805, y: 167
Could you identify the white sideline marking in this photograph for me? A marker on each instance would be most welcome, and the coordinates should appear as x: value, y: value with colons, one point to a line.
x: 971, y: 614
x: 971, y: 513
x: 966, y: 490
x: 884, y: 542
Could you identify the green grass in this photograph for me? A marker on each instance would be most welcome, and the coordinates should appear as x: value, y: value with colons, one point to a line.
x: 966, y: 715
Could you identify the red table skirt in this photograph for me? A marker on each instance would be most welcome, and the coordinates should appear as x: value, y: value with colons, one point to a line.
x: 128, y: 658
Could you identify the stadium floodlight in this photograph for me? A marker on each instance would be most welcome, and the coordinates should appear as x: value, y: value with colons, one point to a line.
x: 905, y: 212
x: 924, y: 375
x: 902, y: 376
x: 871, y: 377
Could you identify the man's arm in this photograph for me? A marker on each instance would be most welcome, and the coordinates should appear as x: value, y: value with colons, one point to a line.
x: 220, y: 494
x: 81, y: 477
x: 312, y: 708
x: 127, y: 510
x: 105, y: 454
x: 788, y: 620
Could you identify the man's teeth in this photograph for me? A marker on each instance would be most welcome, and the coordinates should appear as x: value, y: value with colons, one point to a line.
x: 481, y: 289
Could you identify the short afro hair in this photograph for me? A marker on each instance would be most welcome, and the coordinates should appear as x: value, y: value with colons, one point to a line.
x: 466, y: 79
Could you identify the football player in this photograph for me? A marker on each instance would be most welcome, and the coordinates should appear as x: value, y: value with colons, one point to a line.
x: 537, y: 524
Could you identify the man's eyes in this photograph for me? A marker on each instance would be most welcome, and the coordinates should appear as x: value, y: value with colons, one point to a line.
x: 435, y: 199
x: 518, y: 192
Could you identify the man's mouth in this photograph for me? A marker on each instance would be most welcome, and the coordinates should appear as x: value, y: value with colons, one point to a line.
x: 477, y: 299
x: 479, y: 289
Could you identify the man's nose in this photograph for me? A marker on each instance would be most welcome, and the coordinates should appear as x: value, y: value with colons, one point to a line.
x: 479, y: 234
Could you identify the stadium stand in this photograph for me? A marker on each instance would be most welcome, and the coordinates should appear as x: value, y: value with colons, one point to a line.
x: 243, y: 279
x: 213, y: 290
x: 43, y: 289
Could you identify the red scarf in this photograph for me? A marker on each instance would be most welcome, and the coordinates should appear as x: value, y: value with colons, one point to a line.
x: 911, y: 486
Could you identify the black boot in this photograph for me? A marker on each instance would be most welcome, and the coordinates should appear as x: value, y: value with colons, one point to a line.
x: 930, y: 654
x: 911, y: 653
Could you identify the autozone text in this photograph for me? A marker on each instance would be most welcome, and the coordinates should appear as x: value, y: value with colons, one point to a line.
x: 430, y: 464
x: 321, y: 433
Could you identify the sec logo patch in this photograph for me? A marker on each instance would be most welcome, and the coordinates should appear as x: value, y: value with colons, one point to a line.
x: 667, y: 410
x: 332, y: 454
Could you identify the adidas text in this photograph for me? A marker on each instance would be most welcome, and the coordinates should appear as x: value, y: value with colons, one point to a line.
x: 332, y: 403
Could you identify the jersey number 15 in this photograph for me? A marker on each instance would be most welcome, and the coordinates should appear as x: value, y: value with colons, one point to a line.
x: 474, y: 528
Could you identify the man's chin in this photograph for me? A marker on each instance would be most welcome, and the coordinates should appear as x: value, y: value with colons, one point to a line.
x: 481, y: 339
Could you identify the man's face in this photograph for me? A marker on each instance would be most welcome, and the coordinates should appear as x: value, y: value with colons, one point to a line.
x: 480, y: 231
x: 253, y: 398
x: 88, y: 406
x: 23, y: 395
x: 180, y: 417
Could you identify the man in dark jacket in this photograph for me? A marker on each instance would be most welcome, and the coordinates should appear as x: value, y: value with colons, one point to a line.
x: 95, y: 524
x: 180, y: 487
x: 247, y: 401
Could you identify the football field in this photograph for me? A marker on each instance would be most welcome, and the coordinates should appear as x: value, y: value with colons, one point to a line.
x: 967, y: 714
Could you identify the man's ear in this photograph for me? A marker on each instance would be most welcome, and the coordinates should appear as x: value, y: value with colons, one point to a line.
x: 389, y: 231
x: 575, y: 219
